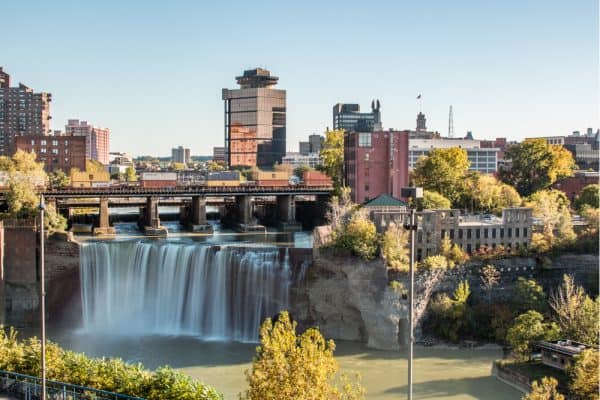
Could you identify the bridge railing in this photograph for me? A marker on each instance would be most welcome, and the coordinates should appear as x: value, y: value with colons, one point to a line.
x: 28, y: 387
x: 190, y: 190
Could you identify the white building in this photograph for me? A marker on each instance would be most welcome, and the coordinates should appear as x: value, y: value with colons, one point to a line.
x: 484, y: 160
x: 297, y: 160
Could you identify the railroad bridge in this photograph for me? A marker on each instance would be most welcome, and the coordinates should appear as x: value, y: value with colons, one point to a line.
x: 192, y: 200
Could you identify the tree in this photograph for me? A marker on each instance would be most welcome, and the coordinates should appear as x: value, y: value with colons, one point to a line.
x: 295, y: 366
x: 535, y: 165
x: 449, y: 315
x: 442, y: 171
x: 584, y: 374
x: 529, y: 295
x: 544, y: 390
x: 359, y: 235
x: 332, y: 154
x: 25, y: 175
x: 551, y: 207
x: 453, y: 253
x: 394, y: 247
x: 94, y: 167
x: 130, y: 175
x: 213, y: 166
x: 340, y: 209
x: 527, y: 329
x: 575, y: 312
x: 58, y: 179
x: 489, y: 278
x: 589, y: 196
x: 433, y: 201
x: 177, y: 166
x: 299, y: 171
x: 491, y: 195
x: 434, y: 262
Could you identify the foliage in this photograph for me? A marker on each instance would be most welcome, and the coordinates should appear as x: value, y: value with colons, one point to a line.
x: 454, y: 254
x: 113, y: 375
x: 536, y: 165
x: 340, y: 209
x: 94, y: 166
x: 442, y: 171
x: 58, y: 179
x: 395, y: 247
x: 358, y: 235
x: 589, y: 196
x: 527, y: 329
x: 575, y: 312
x: 130, y: 175
x: 300, y: 170
x: 177, y: 166
x: 491, y: 195
x: 544, y: 390
x: 434, y: 262
x: 332, y: 154
x: 584, y: 374
x: 213, y: 166
x: 449, y: 316
x: 489, y: 278
x: 432, y: 200
x: 551, y: 207
x: 529, y: 295
x: 292, y: 366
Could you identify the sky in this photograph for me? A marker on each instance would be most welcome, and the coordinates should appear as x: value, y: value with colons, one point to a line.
x: 152, y: 71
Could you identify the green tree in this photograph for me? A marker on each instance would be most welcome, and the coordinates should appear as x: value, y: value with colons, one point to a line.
x: 433, y: 201
x: 584, y: 374
x: 394, y: 247
x: 535, y: 165
x: 529, y: 295
x: 332, y: 154
x: 442, y: 171
x: 295, y: 366
x: 299, y: 171
x: 527, y: 329
x: 58, y: 179
x: 130, y: 175
x: 449, y: 316
x: 589, y: 196
x: 575, y: 312
x: 358, y: 235
x: 546, y: 389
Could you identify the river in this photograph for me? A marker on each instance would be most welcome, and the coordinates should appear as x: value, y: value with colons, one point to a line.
x: 439, y: 373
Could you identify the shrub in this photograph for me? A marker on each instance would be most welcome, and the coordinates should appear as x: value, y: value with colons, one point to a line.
x: 358, y: 235
x: 434, y: 262
x: 394, y: 248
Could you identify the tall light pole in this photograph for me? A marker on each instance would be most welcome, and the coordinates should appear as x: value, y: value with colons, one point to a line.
x: 42, y: 208
x: 411, y: 193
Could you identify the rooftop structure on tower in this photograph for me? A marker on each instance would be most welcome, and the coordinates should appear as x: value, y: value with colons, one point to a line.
x: 256, y: 78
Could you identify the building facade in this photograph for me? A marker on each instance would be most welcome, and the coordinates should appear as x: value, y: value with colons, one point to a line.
x: 56, y: 152
x: 483, y: 159
x: 22, y: 113
x: 296, y: 160
x: 180, y: 155
x: 98, y: 139
x: 375, y: 163
x: 349, y: 118
x: 255, y: 120
x: 219, y: 155
x: 313, y: 145
x: 572, y: 186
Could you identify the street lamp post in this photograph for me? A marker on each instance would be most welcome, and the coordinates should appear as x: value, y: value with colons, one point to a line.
x: 42, y: 208
x: 411, y: 193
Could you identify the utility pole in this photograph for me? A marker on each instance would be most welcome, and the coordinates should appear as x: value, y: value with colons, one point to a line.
x: 450, y: 123
x: 42, y: 208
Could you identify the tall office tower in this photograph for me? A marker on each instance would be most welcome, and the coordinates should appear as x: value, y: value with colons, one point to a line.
x: 97, y: 142
x: 255, y: 133
x: 180, y: 155
x: 22, y: 113
x: 349, y: 118
x: 316, y: 142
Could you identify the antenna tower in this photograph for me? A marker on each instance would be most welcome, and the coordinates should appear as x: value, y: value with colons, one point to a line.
x: 450, y: 123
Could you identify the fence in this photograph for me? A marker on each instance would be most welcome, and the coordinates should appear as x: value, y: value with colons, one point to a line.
x: 29, y: 388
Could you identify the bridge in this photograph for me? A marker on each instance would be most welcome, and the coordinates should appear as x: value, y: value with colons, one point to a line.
x: 192, y: 200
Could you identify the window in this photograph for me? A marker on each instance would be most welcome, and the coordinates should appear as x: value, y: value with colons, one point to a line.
x: 451, y: 233
x: 54, y: 151
x: 494, y: 233
x: 516, y: 232
x: 509, y: 232
x: 55, y: 143
x: 43, y: 150
x: 32, y: 142
x: 478, y: 233
x: 501, y: 233
x: 443, y: 235
x: 366, y: 156
x: 366, y: 187
x: 43, y: 142
x: 364, y: 139
x: 485, y: 233
x: 460, y: 233
x: 468, y: 234
x: 524, y: 232
x: 469, y: 248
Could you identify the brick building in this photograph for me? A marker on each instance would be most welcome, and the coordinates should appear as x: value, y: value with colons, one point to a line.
x: 573, y: 185
x: 375, y: 163
x: 98, y: 139
x: 56, y: 152
x: 22, y: 113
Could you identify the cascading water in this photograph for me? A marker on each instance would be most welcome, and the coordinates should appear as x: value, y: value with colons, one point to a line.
x: 216, y: 293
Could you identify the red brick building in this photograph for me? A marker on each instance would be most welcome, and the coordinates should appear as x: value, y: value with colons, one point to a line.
x: 375, y: 163
x: 56, y: 152
x: 573, y: 185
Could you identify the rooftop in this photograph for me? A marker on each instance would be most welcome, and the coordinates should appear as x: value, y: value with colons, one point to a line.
x: 256, y: 78
x: 384, y: 200
x: 565, y: 346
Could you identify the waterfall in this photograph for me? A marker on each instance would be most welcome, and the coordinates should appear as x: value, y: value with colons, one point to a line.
x: 216, y: 293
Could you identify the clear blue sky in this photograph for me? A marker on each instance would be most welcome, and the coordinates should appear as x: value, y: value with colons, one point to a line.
x: 153, y: 71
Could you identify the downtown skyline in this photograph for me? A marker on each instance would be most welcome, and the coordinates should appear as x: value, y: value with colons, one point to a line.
x: 157, y: 84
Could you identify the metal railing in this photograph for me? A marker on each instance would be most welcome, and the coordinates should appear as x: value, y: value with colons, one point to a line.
x: 28, y: 387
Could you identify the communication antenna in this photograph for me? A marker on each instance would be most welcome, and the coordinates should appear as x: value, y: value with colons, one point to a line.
x: 450, y: 123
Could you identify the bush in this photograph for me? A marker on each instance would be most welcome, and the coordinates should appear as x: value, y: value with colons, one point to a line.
x: 449, y: 317
x: 359, y: 236
x: 114, y: 375
x: 394, y: 248
x: 434, y: 262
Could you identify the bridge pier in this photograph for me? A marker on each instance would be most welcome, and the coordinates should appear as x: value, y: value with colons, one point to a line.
x: 286, y: 213
x: 104, y: 227
x: 150, y: 219
x: 245, y: 215
x: 194, y: 218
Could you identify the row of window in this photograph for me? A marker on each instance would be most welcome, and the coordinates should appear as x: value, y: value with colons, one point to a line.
x: 469, y: 233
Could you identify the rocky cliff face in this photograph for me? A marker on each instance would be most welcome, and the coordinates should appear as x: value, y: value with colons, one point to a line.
x: 350, y: 299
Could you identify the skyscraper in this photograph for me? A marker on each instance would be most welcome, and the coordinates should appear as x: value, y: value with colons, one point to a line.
x: 349, y: 118
x: 22, y: 113
x: 180, y: 155
x: 255, y: 120
x: 97, y: 142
